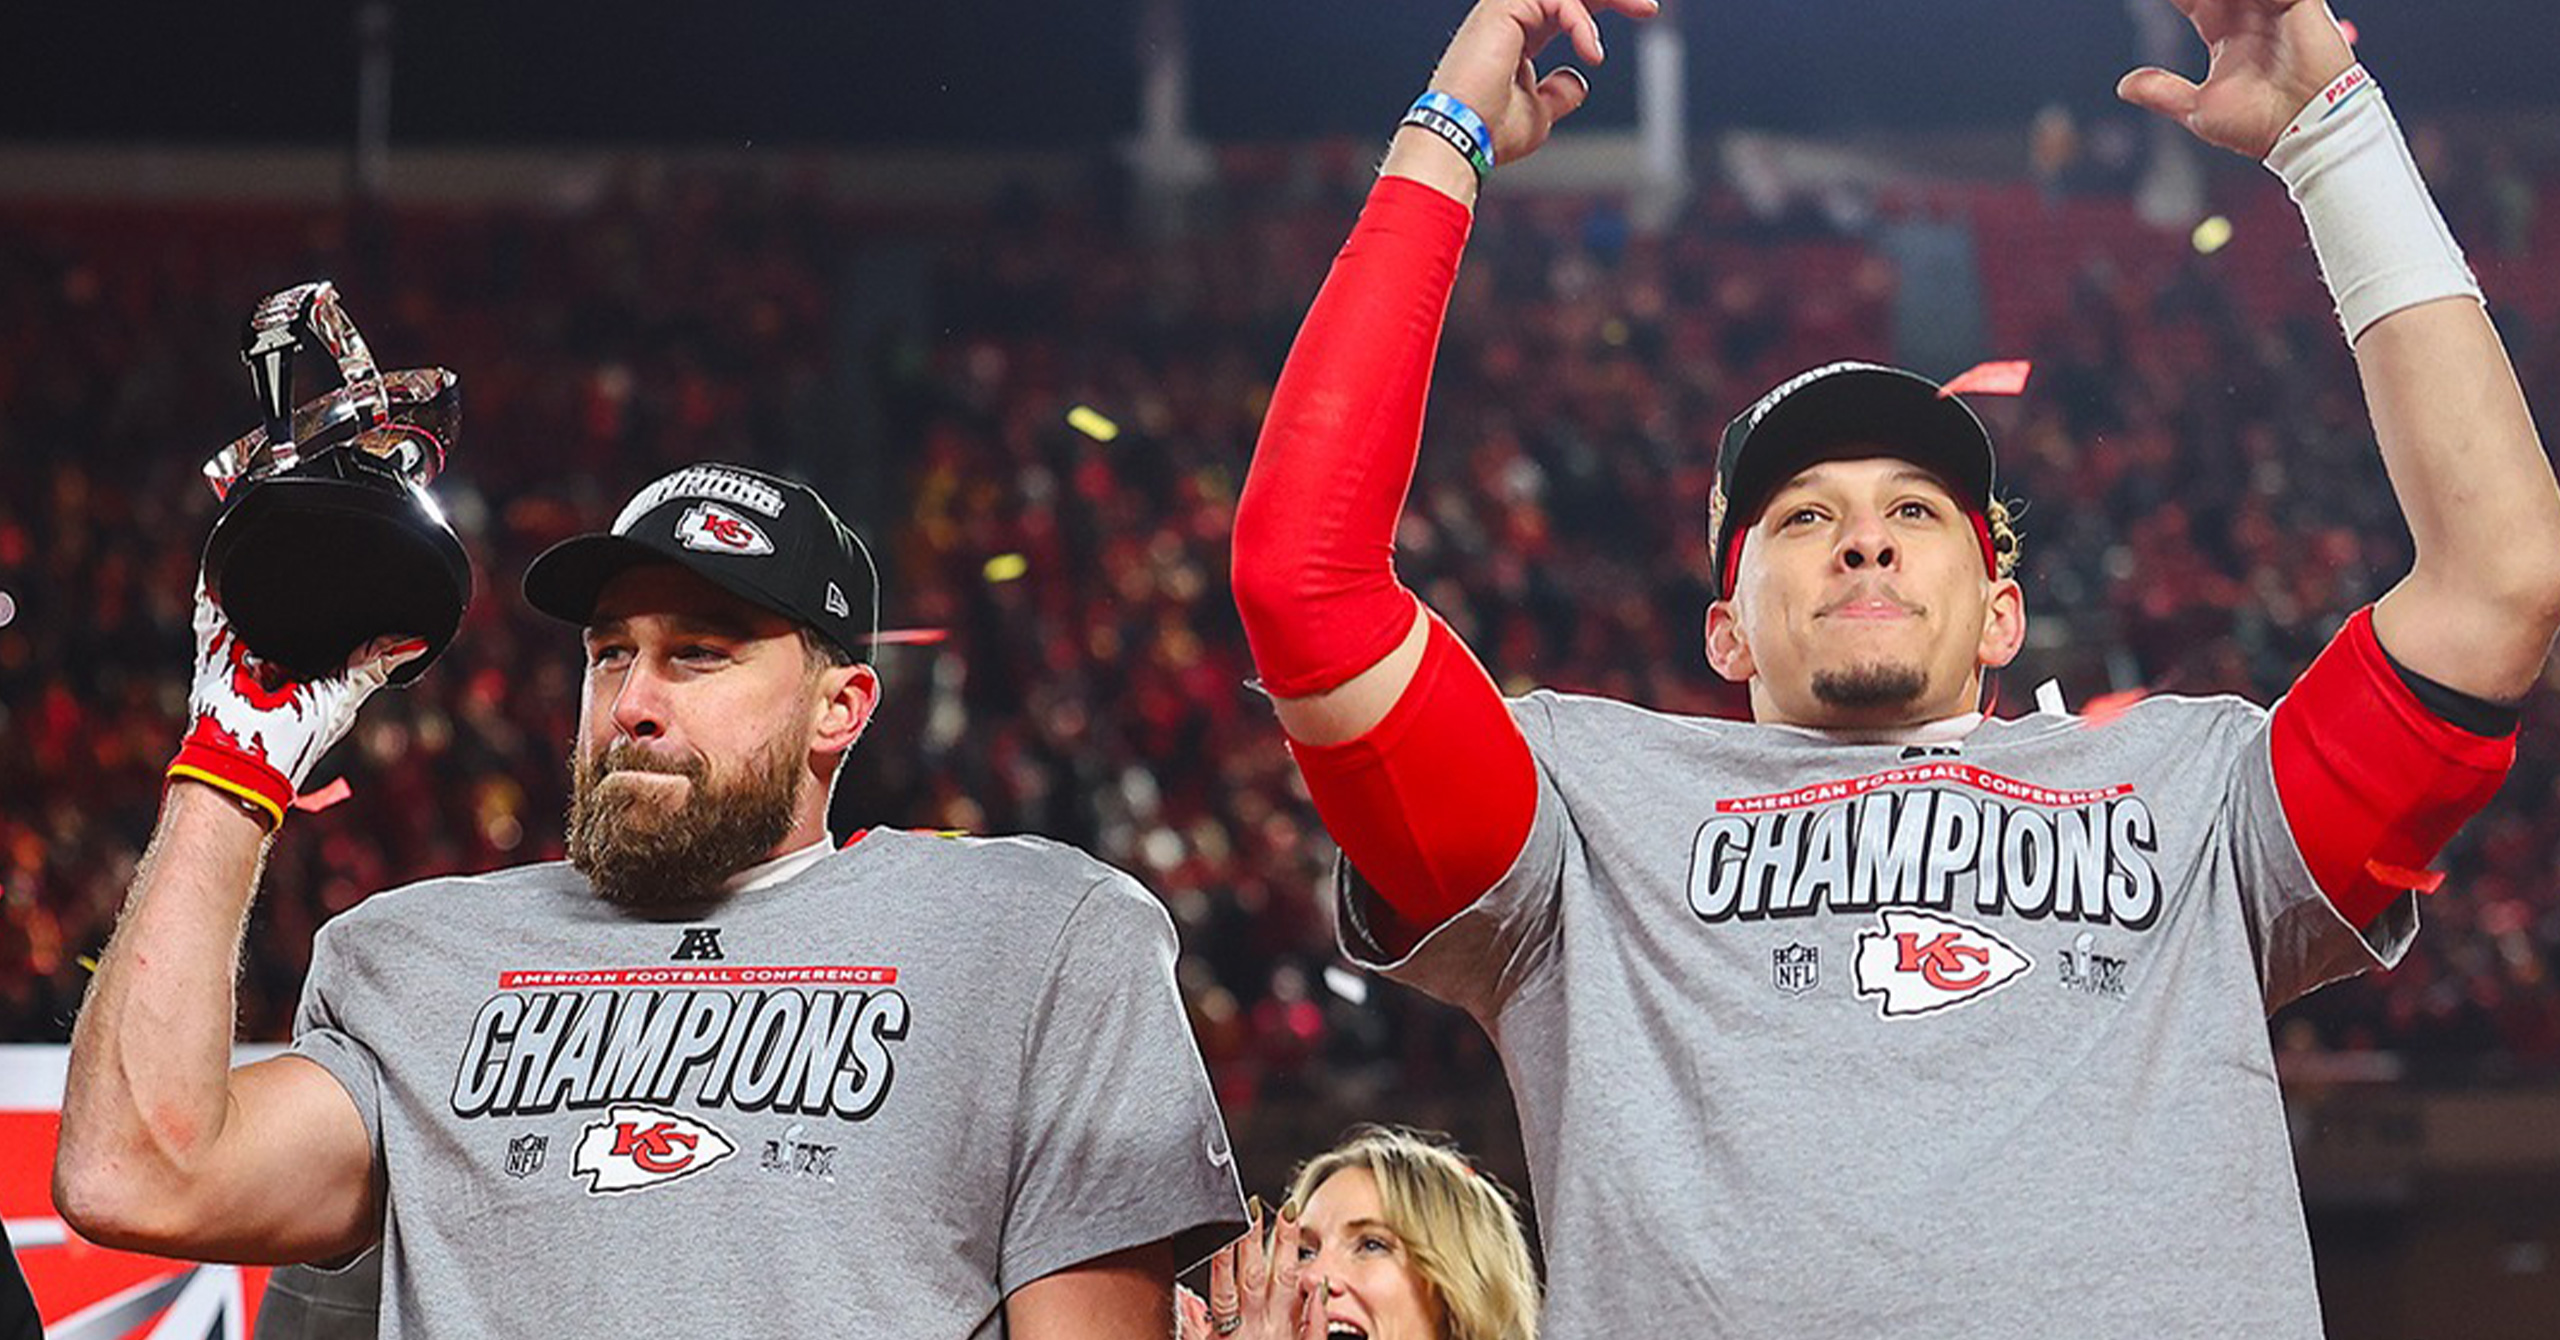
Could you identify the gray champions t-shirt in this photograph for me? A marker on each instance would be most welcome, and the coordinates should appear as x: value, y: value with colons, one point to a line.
x: 871, y: 1099
x: 1821, y: 1039
x: 312, y: 1302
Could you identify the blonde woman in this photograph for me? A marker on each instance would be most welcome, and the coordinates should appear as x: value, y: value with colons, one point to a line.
x: 1387, y: 1236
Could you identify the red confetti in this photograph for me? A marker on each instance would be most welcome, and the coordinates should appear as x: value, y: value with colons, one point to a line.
x: 909, y: 637
x: 2398, y: 877
x: 2107, y: 707
x: 2347, y: 30
x: 316, y: 801
x: 2003, y: 378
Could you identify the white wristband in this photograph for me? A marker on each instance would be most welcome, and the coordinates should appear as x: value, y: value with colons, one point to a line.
x: 2382, y: 244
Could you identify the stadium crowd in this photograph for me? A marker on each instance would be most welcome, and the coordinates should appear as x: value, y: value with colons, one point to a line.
x: 1048, y: 469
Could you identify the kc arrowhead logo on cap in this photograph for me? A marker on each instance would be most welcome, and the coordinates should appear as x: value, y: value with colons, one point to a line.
x: 724, y: 483
x: 715, y: 529
x: 765, y: 538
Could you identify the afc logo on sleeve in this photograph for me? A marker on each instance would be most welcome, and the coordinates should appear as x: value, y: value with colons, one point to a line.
x: 637, y: 1146
x: 1923, y: 962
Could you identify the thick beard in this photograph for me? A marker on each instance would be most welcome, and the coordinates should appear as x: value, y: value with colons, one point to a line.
x: 1866, y: 688
x: 638, y: 853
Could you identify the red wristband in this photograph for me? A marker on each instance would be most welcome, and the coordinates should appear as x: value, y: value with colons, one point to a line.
x: 210, y: 755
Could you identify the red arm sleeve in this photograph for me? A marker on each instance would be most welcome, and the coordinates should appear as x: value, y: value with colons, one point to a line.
x: 1434, y: 803
x: 2373, y: 784
x: 1314, y: 559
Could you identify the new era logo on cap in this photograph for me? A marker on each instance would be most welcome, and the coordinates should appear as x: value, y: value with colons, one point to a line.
x: 836, y: 604
x: 714, y: 529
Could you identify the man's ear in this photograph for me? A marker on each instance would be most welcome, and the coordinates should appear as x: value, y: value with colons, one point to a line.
x: 848, y: 695
x: 1727, y: 653
x: 2004, y: 624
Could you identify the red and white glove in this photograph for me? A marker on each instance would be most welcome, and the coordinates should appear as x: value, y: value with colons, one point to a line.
x: 256, y: 731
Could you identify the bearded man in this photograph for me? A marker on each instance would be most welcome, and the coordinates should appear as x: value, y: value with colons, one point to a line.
x: 713, y: 1074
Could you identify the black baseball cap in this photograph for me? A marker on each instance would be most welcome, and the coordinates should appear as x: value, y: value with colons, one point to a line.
x: 768, y: 540
x: 1815, y: 415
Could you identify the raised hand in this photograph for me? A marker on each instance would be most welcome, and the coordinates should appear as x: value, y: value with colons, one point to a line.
x: 1488, y: 65
x: 253, y: 731
x: 1256, y: 1291
x: 2270, y: 59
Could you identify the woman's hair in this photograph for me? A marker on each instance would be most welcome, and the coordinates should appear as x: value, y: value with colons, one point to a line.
x: 1461, y: 1229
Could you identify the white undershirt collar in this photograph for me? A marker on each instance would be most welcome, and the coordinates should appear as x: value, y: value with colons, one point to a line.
x: 766, y: 874
x: 1944, y: 730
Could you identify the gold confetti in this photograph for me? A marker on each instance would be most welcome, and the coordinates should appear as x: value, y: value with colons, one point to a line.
x: 1093, y: 423
x: 2212, y: 235
x: 1007, y: 567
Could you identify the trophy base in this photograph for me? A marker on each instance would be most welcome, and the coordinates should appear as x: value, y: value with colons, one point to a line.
x: 308, y: 569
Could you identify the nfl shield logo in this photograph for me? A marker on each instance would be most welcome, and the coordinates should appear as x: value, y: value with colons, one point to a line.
x: 1795, y: 968
x: 524, y: 1154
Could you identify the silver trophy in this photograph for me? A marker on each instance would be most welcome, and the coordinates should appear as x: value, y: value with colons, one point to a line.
x: 328, y: 537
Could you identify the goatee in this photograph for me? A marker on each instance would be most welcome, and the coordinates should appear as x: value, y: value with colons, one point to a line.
x: 640, y: 850
x: 1868, y: 687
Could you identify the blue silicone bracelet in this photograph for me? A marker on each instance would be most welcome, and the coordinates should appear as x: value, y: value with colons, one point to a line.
x: 1437, y: 102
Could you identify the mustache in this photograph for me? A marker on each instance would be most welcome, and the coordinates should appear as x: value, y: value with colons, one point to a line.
x: 630, y: 756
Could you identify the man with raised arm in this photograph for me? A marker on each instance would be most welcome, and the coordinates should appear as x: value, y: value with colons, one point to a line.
x: 713, y: 1075
x: 1875, y: 1016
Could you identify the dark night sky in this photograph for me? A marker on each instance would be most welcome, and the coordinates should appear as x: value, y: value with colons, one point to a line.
x: 1063, y: 72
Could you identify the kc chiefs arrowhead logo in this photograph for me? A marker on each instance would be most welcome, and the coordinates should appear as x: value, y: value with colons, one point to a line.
x: 715, y: 529
x: 637, y: 1146
x: 1922, y: 962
